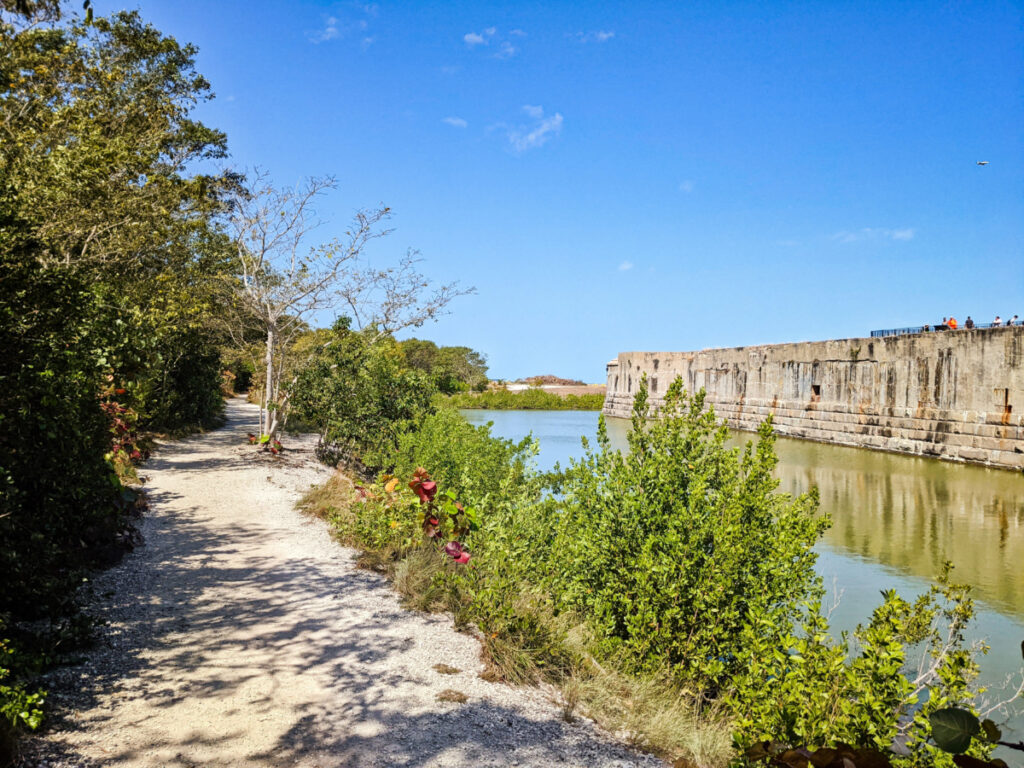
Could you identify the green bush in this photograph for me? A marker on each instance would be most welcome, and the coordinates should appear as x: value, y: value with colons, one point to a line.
x: 360, y: 395
x: 61, y: 504
x: 678, y: 567
x: 180, y: 387
x: 679, y: 548
x: 805, y: 688
x: 19, y: 709
x: 464, y: 458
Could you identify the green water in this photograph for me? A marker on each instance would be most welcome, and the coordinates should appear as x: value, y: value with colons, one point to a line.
x: 895, y: 520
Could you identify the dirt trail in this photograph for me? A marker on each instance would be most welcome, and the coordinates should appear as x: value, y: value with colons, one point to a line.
x: 242, y: 635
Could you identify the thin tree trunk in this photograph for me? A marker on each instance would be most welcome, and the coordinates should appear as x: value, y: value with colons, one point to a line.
x: 263, y: 404
x: 269, y: 387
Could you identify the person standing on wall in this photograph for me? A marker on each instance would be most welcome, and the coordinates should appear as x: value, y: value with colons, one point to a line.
x: 968, y: 323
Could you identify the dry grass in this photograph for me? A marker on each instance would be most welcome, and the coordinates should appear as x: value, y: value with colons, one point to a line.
x: 332, y: 502
x: 413, y: 579
x: 445, y: 669
x: 450, y: 694
x: 653, y: 714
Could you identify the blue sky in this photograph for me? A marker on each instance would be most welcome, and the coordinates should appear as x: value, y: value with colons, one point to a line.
x: 646, y: 175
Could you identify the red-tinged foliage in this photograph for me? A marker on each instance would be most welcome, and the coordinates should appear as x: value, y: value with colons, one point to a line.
x: 443, y: 518
x: 124, y: 438
x: 423, y: 486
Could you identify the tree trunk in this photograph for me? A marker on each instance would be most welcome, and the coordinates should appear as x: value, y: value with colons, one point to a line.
x: 270, y: 387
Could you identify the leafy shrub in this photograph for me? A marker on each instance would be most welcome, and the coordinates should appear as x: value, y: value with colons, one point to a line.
x: 681, y: 549
x: 667, y: 583
x: 19, y: 709
x: 804, y: 688
x: 179, y: 390
x: 465, y: 458
x: 956, y: 730
x: 62, y: 503
x: 360, y: 395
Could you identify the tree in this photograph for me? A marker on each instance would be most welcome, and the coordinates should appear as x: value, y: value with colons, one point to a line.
x: 98, y: 151
x: 360, y: 394
x: 108, y: 246
x: 284, y: 282
x: 454, y: 368
x: 460, y: 368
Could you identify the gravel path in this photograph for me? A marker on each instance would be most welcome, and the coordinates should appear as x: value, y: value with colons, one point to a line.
x: 241, y: 634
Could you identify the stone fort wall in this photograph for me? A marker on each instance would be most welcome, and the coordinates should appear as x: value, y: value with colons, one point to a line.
x: 956, y: 395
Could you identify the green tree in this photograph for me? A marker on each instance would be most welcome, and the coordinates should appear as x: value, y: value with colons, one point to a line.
x: 361, y: 395
x: 109, y: 253
x: 421, y: 354
x: 97, y: 142
x: 454, y: 369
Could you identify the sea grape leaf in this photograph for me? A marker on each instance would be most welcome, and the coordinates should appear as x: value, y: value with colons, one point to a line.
x: 992, y: 732
x: 953, y: 729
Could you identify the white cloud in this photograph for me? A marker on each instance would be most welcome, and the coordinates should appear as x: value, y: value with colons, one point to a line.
x: 356, y: 23
x: 526, y: 137
x: 329, y: 32
x: 506, y: 51
x: 477, y: 38
x: 597, y: 36
x: 456, y: 122
x: 874, y: 233
x: 625, y: 266
x: 686, y: 186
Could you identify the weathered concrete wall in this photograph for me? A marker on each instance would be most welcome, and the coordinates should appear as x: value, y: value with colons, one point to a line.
x: 956, y: 395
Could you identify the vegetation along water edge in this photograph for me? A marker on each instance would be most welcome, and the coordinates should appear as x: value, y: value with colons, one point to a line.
x: 669, y: 592
x: 532, y: 399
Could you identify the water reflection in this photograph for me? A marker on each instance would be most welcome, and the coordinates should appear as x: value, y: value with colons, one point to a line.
x: 912, y: 514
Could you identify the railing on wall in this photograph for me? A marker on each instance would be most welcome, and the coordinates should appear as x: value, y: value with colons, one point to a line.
x: 929, y: 328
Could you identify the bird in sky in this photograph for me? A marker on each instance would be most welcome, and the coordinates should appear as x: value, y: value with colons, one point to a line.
x: 983, y: 162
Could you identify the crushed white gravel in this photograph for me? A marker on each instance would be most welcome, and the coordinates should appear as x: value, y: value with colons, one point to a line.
x: 241, y: 634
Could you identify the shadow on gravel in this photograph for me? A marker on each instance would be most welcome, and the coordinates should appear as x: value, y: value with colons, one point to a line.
x: 478, y: 733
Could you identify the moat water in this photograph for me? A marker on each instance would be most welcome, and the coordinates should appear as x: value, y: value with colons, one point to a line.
x: 895, y: 520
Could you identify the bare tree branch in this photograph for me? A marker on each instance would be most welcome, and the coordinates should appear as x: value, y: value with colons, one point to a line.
x: 283, y: 282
